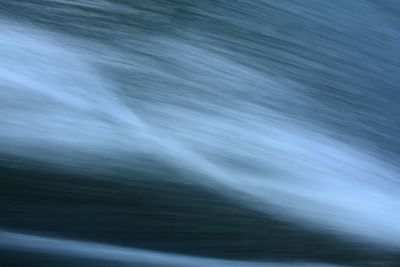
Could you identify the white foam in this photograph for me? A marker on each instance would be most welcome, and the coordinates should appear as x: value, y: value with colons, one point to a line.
x: 121, y: 255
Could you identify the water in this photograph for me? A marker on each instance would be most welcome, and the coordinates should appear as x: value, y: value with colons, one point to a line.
x: 199, y: 133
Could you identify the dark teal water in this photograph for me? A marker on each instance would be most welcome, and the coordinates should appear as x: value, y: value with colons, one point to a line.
x: 199, y: 133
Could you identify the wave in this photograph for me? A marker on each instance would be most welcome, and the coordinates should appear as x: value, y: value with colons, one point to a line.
x: 274, y: 166
x: 120, y: 255
x: 212, y: 114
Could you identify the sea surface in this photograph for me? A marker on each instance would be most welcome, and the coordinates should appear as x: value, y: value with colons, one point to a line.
x: 197, y: 133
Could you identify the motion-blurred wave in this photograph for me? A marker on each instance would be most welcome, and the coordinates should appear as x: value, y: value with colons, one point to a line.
x: 255, y: 133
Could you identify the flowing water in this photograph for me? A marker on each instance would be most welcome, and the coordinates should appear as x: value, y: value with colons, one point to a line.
x: 199, y: 133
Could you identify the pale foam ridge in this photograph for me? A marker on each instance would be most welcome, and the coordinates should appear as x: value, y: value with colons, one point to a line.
x: 121, y: 255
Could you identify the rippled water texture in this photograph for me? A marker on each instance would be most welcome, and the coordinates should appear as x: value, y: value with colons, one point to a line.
x: 199, y: 133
